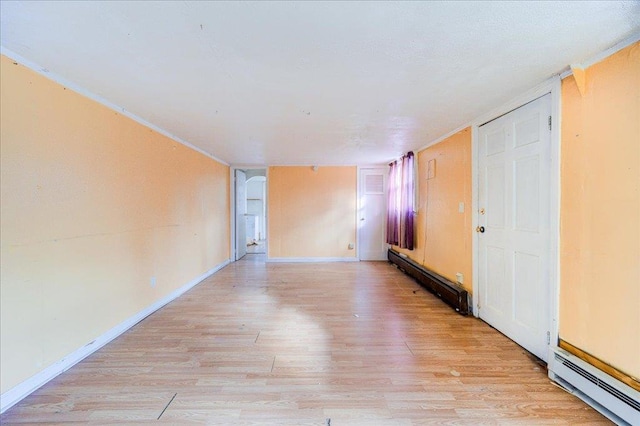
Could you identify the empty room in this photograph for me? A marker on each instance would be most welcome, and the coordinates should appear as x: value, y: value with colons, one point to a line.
x: 320, y: 213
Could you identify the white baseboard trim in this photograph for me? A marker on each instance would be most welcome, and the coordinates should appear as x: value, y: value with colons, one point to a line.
x: 311, y: 259
x: 22, y: 390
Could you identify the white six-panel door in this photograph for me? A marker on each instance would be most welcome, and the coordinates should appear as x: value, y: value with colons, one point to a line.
x: 514, y: 213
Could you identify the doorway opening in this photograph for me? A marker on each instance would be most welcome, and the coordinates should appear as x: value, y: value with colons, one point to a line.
x: 250, y: 193
x: 256, y: 217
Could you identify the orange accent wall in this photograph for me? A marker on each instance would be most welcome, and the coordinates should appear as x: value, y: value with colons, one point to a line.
x: 600, y: 212
x: 94, y: 205
x: 311, y: 214
x: 443, y: 235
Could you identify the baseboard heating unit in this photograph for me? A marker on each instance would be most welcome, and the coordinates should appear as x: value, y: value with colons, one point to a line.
x: 614, y: 399
x: 453, y: 294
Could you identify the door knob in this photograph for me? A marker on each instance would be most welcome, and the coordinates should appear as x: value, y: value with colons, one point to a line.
x: 480, y: 229
x: 362, y: 218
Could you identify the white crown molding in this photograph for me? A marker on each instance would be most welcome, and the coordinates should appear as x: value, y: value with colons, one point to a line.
x: 99, y: 99
x: 563, y: 74
x: 602, y: 55
x: 443, y: 137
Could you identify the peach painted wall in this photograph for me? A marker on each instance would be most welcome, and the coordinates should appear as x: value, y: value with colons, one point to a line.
x: 93, y: 206
x: 443, y: 235
x: 311, y: 214
x: 600, y: 212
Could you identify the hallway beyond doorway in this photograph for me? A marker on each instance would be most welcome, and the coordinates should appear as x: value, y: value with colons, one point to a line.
x: 258, y: 248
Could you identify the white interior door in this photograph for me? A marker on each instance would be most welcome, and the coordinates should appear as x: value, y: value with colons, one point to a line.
x: 371, y: 213
x: 241, y: 211
x: 514, y: 212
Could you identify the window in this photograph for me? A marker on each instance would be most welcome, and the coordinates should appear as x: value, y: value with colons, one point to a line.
x: 401, y: 202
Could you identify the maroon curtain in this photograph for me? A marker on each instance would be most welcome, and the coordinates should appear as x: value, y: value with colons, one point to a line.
x: 393, y: 228
x: 400, y: 202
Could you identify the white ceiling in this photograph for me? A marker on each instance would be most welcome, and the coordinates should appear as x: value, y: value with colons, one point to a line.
x: 269, y: 83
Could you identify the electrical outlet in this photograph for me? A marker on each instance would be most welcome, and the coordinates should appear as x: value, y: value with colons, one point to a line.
x: 153, y: 282
x: 459, y: 278
x: 460, y: 207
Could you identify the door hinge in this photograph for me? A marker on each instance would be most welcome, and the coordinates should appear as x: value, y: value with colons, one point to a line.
x: 548, y: 337
x: 549, y: 122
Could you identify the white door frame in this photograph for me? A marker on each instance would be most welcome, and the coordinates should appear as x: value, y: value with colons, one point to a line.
x: 232, y: 204
x: 552, y: 86
x: 359, y: 200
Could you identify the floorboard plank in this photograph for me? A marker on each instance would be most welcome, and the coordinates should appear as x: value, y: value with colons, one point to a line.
x: 353, y: 343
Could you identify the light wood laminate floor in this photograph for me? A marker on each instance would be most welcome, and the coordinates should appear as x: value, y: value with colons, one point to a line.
x: 317, y: 344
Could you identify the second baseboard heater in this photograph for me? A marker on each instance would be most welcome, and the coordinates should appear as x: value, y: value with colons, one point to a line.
x: 614, y: 399
x: 453, y: 294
